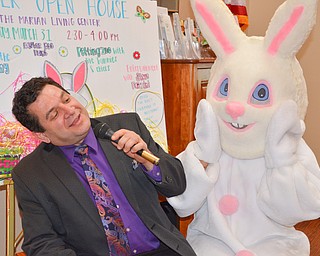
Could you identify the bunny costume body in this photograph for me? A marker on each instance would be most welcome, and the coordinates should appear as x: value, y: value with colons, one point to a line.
x: 261, y: 177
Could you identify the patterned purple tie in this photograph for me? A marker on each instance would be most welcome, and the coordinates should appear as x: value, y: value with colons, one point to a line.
x: 107, y: 208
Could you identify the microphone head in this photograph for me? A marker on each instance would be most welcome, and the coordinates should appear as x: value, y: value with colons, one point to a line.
x: 103, y: 131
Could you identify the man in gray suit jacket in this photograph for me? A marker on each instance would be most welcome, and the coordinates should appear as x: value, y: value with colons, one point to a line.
x: 59, y: 216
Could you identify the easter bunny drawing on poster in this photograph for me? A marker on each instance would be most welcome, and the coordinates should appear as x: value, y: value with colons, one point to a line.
x: 250, y: 175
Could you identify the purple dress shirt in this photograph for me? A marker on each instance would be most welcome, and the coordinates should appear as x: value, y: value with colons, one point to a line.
x: 140, y: 238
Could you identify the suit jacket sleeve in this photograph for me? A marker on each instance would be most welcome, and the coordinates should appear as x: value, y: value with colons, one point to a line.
x: 173, y: 177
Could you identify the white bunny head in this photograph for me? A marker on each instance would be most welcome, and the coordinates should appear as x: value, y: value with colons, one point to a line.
x: 253, y: 76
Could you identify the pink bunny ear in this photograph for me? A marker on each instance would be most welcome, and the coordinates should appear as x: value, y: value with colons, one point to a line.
x: 289, y: 27
x: 79, y: 76
x: 51, y: 71
x: 214, y: 27
x: 285, y: 30
x: 218, y: 26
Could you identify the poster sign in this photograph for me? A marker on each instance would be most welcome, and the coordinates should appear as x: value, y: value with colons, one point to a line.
x: 104, y: 52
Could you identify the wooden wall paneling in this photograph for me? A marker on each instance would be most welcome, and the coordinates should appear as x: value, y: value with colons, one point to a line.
x: 184, y: 85
x: 181, y: 93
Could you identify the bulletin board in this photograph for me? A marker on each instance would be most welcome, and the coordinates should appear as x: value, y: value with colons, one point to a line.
x: 104, y: 52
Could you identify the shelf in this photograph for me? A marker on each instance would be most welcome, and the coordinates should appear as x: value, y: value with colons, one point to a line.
x: 186, y: 61
x: 10, y: 216
x: 6, y: 182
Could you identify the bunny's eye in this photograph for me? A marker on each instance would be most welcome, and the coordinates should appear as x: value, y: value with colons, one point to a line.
x: 224, y: 88
x: 260, y: 95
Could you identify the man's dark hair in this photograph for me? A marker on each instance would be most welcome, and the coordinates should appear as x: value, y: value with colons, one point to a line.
x: 28, y: 94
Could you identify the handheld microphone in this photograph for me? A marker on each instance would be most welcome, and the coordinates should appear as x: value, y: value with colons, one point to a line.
x: 103, y: 131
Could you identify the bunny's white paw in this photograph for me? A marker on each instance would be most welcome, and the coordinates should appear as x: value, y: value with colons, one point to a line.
x: 207, y: 146
x: 283, y: 135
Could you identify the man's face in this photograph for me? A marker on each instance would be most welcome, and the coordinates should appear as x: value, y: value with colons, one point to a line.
x: 65, y: 120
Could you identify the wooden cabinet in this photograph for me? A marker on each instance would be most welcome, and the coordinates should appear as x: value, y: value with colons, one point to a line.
x: 184, y: 85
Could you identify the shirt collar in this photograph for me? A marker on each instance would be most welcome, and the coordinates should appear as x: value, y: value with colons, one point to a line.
x: 89, y: 140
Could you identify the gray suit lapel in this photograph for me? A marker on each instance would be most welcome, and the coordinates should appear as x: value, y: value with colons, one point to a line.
x: 58, y: 164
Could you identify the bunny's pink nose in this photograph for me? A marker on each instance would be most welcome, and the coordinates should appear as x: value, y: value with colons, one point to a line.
x: 234, y: 109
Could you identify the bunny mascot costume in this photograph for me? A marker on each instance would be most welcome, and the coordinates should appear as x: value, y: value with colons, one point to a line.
x: 261, y: 178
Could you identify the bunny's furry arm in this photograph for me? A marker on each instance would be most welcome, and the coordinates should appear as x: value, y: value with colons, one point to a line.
x: 207, y: 148
x: 290, y: 189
